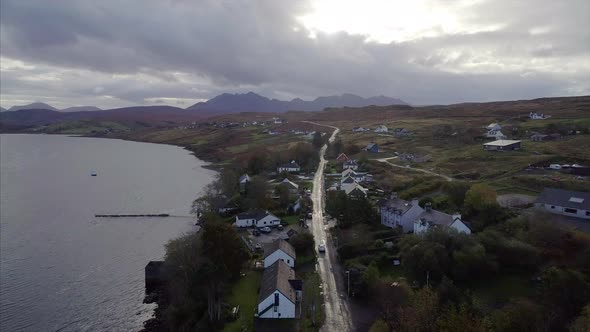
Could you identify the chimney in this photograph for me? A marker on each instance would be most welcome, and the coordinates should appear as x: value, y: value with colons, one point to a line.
x: 456, y: 216
x: 428, y: 207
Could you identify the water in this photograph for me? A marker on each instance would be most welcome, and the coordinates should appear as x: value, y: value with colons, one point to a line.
x: 61, y: 268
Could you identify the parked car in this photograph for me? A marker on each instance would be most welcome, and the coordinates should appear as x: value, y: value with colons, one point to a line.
x: 266, y: 229
x: 280, y: 227
x: 555, y: 166
x: 258, y: 246
x: 256, y: 232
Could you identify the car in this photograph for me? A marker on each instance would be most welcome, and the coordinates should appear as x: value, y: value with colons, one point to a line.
x: 280, y: 227
x: 258, y: 246
x: 266, y: 229
x: 309, y: 215
x: 256, y: 232
x: 322, y: 247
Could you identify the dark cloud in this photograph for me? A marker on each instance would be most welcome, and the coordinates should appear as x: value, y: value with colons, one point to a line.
x: 114, y: 52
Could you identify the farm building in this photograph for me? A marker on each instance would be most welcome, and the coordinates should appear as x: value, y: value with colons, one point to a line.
x: 502, y: 145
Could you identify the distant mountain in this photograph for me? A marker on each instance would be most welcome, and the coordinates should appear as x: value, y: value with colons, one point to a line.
x: 252, y: 102
x: 35, y: 106
x: 81, y: 109
x: 2, y: 109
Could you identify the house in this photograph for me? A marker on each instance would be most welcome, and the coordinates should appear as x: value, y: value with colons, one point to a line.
x: 342, y: 158
x: 502, y: 145
x: 295, y: 206
x: 397, y: 212
x: 347, y: 172
x: 495, y: 133
x: 399, y: 132
x: 293, y: 187
x: 349, y: 179
x: 244, y: 180
x: 538, y: 137
x: 354, y: 189
x: 256, y: 218
x: 229, y: 206
x: 291, y: 167
x: 372, y: 147
x: 360, y: 129
x: 565, y: 202
x: 430, y: 218
x: 350, y: 164
x: 494, y: 126
x: 381, y: 129
x: 280, y: 292
x: 538, y: 116
x: 279, y: 250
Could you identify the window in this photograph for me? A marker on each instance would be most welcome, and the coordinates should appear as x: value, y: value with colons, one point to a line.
x: 279, y: 314
x: 587, y: 213
x: 553, y: 206
x: 289, y: 261
x: 570, y: 210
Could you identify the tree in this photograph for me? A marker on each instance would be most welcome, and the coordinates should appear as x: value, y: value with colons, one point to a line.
x: 582, y: 323
x: 422, y: 313
x: 479, y: 197
x: 518, y: 316
x: 303, y: 243
x: 284, y: 196
x: 256, y: 164
x: 229, y: 181
x: 456, y: 191
x: 454, y: 319
x: 564, y: 293
x: 379, y: 326
x: 317, y: 140
x: 257, y: 194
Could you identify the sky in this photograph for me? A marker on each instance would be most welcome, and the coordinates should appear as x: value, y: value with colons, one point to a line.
x: 113, y: 53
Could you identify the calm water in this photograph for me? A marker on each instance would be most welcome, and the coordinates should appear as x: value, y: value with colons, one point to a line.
x: 61, y: 268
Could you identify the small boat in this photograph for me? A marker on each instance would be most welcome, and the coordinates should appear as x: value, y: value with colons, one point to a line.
x: 93, y: 174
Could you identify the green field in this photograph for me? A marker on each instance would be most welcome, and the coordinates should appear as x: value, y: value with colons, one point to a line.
x: 245, y: 294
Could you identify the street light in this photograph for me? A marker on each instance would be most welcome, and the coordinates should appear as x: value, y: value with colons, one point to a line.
x: 348, y: 287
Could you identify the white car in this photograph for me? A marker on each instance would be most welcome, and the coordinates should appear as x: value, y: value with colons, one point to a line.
x: 322, y: 247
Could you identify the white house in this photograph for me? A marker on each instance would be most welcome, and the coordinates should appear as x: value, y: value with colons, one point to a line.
x: 279, y: 250
x: 257, y: 218
x: 381, y: 129
x: 360, y: 129
x: 291, y: 167
x: 538, y: 116
x: 348, y: 172
x: 280, y: 292
x: 353, y: 188
x: 350, y: 164
x: 565, y: 202
x: 432, y: 218
x: 496, y: 134
x: 397, y: 212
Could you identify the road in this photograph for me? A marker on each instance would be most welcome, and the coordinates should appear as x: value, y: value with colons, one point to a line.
x: 386, y: 160
x: 338, y: 317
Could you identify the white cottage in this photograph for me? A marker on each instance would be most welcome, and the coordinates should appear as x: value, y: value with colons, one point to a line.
x: 280, y: 292
x: 257, y: 218
x: 430, y: 218
x: 291, y: 167
x: 565, y: 202
x: 397, y: 212
x: 279, y: 250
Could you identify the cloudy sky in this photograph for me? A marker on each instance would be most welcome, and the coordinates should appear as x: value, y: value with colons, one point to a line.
x: 112, y: 53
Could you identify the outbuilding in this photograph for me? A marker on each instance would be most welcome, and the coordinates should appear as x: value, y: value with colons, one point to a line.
x: 565, y: 202
x: 502, y: 145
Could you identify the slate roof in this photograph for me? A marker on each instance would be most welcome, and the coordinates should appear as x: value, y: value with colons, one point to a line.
x: 371, y: 146
x: 287, y: 182
x: 436, y: 217
x: 285, y: 246
x: 349, y: 179
x: 253, y: 214
x: 561, y: 197
x: 276, y: 277
x: 350, y: 162
x: 292, y: 164
x: 244, y: 178
x: 397, y: 204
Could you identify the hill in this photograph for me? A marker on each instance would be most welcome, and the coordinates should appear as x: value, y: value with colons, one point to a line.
x: 252, y: 102
x: 81, y: 109
x: 36, y: 105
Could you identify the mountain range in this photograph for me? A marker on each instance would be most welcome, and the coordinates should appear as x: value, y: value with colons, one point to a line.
x: 252, y: 102
x: 43, y: 106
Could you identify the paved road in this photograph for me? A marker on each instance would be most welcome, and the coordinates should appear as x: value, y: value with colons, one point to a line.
x: 338, y: 317
x: 386, y: 160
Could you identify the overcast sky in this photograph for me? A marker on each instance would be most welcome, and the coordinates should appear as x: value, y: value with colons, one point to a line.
x: 111, y: 53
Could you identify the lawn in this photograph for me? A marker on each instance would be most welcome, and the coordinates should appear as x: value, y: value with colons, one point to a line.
x: 291, y: 220
x: 245, y: 294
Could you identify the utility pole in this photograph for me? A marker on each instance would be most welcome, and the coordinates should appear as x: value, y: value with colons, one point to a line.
x: 427, y: 278
x: 348, y: 287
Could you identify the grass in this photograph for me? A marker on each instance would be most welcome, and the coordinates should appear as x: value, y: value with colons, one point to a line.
x: 291, y: 220
x: 245, y: 294
x: 312, y: 309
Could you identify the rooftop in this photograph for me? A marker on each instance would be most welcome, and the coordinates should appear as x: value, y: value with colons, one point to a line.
x: 276, y: 277
x: 565, y: 198
x: 502, y: 142
x: 253, y: 214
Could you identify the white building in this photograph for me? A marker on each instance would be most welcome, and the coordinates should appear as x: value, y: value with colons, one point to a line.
x: 257, y: 218
x: 397, y: 212
x: 494, y: 126
x: 350, y: 164
x: 430, y: 218
x: 381, y: 129
x: 280, y: 292
x: 291, y: 167
x: 354, y: 188
x: 496, y: 134
x: 279, y: 250
x: 565, y: 202
x: 538, y: 116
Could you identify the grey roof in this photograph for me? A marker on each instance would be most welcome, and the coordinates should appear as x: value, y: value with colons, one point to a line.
x: 244, y: 177
x: 436, y: 217
x: 561, y: 197
x: 349, y: 179
x: 290, y: 165
x: 372, y: 145
x: 253, y: 214
x: 350, y: 162
x: 276, y: 277
x: 397, y: 204
x: 285, y: 246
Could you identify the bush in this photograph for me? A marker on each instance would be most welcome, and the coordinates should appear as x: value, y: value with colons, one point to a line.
x: 303, y: 243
